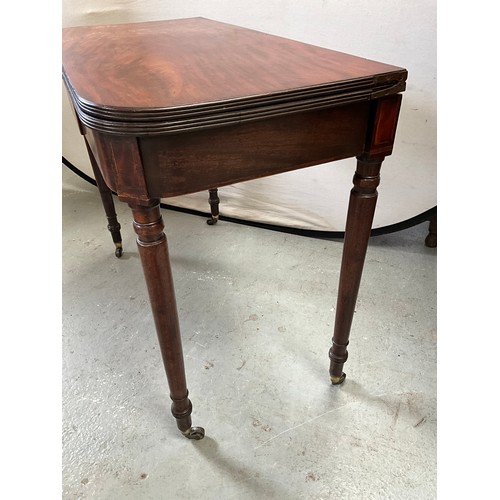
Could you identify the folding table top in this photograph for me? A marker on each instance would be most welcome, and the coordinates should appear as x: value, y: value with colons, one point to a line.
x: 176, y: 75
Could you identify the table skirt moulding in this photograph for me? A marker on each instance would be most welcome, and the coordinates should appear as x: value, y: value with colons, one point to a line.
x: 311, y: 199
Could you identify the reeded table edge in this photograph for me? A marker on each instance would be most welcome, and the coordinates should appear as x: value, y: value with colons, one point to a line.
x: 157, y: 121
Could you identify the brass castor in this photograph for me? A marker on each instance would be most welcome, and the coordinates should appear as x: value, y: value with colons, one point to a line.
x: 337, y: 380
x: 195, y: 433
x: 213, y: 220
x: 119, y: 250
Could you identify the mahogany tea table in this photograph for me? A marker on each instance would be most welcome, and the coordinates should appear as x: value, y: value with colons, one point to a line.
x: 174, y: 107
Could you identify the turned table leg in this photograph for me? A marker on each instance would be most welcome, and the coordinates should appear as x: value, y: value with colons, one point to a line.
x: 359, y: 222
x: 109, y: 206
x: 378, y: 144
x: 153, y: 250
x: 213, y: 200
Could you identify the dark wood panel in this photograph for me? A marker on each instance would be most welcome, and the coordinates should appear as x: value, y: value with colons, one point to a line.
x: 185, y: 163
x: 120, y: 163
x: 187, y: 61
x: 383, y: 125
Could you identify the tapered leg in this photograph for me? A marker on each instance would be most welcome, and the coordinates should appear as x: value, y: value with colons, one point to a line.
x: 431, y: 239
x: 153, y: 250
x: 358, y: 227
x: 213, y: 200
x: 109, y: 206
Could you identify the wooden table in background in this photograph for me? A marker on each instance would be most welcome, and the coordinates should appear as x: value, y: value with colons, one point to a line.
x: 174, y: 107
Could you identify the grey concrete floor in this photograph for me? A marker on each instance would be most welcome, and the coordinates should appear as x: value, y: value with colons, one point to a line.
x: 256, y: 311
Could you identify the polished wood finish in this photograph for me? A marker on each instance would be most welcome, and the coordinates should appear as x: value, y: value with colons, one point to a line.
x: 379, y: 141
x: 178, y: 75
x: 108, y: 204
x: 184, y: 163
x: 174, y: 107
x: 153, y: 250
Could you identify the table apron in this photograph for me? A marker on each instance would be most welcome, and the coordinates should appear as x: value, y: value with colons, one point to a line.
x: 178, y: 164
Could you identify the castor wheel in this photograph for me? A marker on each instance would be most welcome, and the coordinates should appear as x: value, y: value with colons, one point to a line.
x: 195, y: 433
x: 119, y: 250
x: 336, y: 380
x: 212, y: 221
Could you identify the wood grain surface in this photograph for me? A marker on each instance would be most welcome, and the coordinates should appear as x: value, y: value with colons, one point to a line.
x: 169, y: 76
